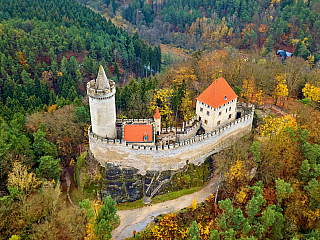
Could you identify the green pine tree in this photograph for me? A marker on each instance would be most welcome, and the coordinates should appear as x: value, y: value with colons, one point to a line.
x: 193, y: 232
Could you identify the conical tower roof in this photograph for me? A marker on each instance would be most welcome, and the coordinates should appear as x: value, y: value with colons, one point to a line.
x: 157, y: 114
x: 102, y: 81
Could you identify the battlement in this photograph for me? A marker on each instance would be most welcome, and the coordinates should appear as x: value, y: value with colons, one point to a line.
x: 197, y: 138
x: 143, y: 121
x: 100, y: 94
x: 172, y: 156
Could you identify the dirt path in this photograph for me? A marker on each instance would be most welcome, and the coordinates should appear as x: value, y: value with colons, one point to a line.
x: 138, y: 219
x: 275, y: 108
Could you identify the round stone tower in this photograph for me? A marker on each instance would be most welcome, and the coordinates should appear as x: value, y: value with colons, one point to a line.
x: 101, y: 94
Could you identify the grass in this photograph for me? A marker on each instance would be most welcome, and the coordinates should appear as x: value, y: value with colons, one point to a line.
x: 130, y: 205
x: 158, y: 199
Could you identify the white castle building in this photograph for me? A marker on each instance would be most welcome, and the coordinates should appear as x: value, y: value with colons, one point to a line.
x: 143, y: 144
x: 217, y: 105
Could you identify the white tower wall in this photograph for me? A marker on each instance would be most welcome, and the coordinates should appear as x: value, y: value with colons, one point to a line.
x: 103, y: 116
x: 102, y: 105
x: 157, y: 125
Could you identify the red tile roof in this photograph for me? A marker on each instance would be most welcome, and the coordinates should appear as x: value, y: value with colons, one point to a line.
x: 217, y: 94
x: 157, y: 114
x: 135, y: 133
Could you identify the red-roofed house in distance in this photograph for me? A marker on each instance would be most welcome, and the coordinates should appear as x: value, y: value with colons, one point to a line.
x: 216, y: 106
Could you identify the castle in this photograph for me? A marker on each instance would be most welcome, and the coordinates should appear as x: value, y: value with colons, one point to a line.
x: 144, y: 145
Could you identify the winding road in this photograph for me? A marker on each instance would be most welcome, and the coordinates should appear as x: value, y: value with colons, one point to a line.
x: 138, y: 219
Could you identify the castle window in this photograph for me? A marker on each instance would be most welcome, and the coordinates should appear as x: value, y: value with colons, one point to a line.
x: 230, y: 116
x: 226, y: 110
x: 208, y: 113
x: 225, y: 97
x: 219, y: 107
x: 229, y: 108
x: 205, y: 121
x: 145, y: 137
x: 219, y: 113
x: 218, y: 123
x: 201, y: 109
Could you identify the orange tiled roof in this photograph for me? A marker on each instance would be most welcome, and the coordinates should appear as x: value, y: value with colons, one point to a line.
x: 135, y: 133
x: 157, y: 114
x: 217, y: 94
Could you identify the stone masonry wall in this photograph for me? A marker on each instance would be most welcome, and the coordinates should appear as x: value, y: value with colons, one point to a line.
x: 188, y: 133
x: 174, y: 156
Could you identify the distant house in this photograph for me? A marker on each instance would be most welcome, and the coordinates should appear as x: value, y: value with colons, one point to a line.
x: 284, y: 54
x: 216, y: 106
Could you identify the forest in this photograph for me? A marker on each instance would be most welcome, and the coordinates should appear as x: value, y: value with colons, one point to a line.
x: 270, y: 187
x: 50, y: 49
x: 202, y: 24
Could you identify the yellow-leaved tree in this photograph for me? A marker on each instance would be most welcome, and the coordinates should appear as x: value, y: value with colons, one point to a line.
x: 186, y: 107
x: 312, y: 92
x: 168, y: 228
x: 220, y: 32
x: 247, y: 89
x: 310, y: 61
x: 92, y: 209
x: 259, y: 97
x: 21, y: 179
x: 194, y: 204
x: 275, y: 126
x: 184, y: 73
x: 281, y: 90
x: 237, y: 171
x: 236, y: 176
x: 278, y: 153
x: 161, y: 99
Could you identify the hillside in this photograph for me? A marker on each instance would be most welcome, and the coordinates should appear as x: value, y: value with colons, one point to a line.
x: 48, y: 51
x: 67, y: 26
x: 161, y: 54
x: 270, y: 178
x: 203, y: 24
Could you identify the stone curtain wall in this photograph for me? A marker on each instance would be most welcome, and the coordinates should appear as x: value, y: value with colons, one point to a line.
x: 168, y: 157
x: 188, y: 133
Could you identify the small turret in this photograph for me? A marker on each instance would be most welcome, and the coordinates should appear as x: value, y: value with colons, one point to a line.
x: 101, y: 93
x: 157, y: 120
